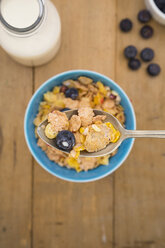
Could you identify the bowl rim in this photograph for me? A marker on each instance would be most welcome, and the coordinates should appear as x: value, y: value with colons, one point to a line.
x: 83, y: 71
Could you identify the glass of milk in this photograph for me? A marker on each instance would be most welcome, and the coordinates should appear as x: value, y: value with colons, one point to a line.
x: 30, y: 30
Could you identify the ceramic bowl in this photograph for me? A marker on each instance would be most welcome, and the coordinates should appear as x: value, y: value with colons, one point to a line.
x: 70, y: 174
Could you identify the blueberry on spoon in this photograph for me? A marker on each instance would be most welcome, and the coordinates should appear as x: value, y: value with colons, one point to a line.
x: 65, y: 140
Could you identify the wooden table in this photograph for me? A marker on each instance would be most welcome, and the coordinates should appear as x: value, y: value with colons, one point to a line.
x: 123, y: 210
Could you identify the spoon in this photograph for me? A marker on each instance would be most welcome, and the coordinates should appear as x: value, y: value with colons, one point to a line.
x: 124, y: 134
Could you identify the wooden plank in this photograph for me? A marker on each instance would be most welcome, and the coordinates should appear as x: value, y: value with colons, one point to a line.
x: 15, y: 159
x: 139, y: 183
x: 68, y: 214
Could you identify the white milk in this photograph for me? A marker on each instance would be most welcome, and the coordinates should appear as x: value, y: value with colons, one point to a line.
x: 20, y: 13
x: 39, y: 45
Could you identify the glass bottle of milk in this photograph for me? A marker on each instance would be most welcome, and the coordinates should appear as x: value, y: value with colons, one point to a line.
x: 30, y: 30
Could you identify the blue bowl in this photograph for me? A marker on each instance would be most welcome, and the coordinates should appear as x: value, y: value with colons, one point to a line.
x: 63, y: 172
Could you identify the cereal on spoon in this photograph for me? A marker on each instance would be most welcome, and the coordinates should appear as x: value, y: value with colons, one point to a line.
x: 96, y: 136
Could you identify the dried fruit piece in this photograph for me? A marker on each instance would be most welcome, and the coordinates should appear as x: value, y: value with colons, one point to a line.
x: 50, y: 97
x: 102, y: 88
x: 79, y: 148
x: 73, y: 163
x: 112, y: 96
x: 63, y: 88
x: 56, y: 89
x: 98, y: 99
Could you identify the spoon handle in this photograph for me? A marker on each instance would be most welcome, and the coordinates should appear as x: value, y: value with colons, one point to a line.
x: 144, y: 134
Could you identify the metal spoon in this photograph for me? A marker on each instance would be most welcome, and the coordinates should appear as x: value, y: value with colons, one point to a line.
x: 112, y: 146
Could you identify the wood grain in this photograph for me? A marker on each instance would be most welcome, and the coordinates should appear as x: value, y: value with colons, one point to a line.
x: 68, y: 214
x: 15, y: 159
x: 139, y: 183
x: 124, y: 210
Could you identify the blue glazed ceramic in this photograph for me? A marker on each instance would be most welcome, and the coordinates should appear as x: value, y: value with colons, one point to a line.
x: 52, y: 167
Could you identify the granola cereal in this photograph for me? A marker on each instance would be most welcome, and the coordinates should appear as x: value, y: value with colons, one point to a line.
x: 90, y: 95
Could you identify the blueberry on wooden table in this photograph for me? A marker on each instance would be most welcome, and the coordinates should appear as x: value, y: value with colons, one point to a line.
x: 144, y: 16
x: 153, y: 69
x: 130, y: 52
x: 71, y: 93
x: 134, y: 64
x: 126, y: 25
x: 146, y: 32
x: 65, y: 140
x: 147, y: 54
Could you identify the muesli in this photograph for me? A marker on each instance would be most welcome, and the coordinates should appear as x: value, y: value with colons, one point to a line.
x: 82, y: 93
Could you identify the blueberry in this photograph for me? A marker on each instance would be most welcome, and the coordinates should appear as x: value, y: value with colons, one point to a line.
x: 130, y: 52
x: 147, y: 54
x: 144, y: 16
x: 134, y: 64
x: 146, y: 32
x: 63, y: 88
x: 153, y: 69
x: 65, y: 140
x: 126, y: 25
x: 64, y: 109
x: 72, y: 93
